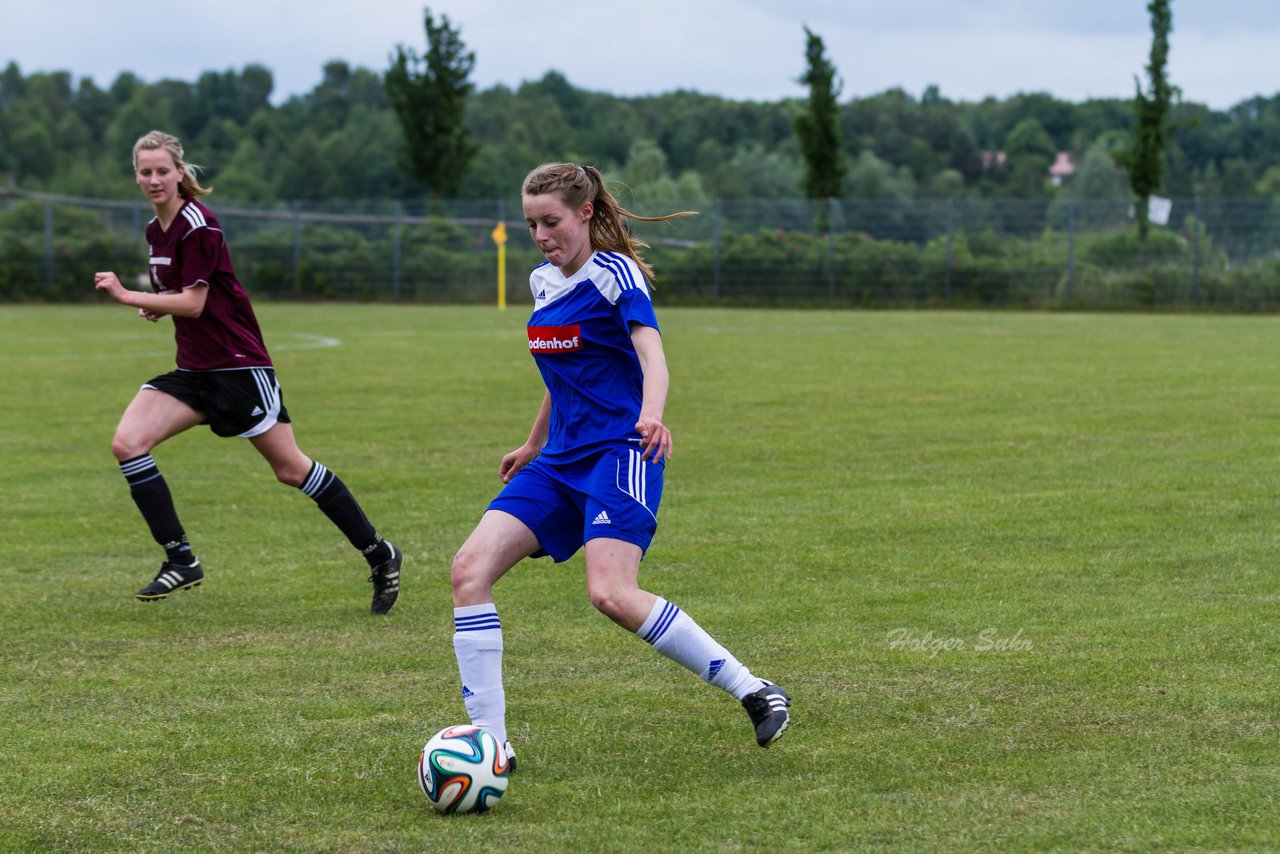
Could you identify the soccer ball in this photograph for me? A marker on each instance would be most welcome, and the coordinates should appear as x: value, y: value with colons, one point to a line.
x: 463, y: 769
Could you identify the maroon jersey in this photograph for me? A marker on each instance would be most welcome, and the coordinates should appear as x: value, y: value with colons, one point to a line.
x: 194, y: 252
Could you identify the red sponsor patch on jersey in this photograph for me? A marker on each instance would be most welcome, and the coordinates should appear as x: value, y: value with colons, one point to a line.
x: 546, y: 340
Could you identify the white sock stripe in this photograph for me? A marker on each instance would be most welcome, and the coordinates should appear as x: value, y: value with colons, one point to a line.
x: 478, y: 623
x: 136, y: 465
x: 315, y: 482
x: 664, y: 621
x: 476, y: 618
x: 474, y: 610
x: 658, y: 609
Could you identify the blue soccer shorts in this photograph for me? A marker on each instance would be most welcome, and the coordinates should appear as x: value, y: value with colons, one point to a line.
x: 612, y: 494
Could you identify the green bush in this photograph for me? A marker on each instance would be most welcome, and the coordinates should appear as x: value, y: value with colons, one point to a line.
x: 83, y: 245
x: 450, y: 261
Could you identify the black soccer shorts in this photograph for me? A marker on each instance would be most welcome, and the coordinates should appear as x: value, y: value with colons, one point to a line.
x: 243, y: 403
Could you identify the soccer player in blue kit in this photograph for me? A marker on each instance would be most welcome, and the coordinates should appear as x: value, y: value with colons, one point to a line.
x: 224, y: 379
x: 590, y: 474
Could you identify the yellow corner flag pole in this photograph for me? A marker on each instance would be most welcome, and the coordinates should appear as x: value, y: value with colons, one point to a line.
x: 499, y: 236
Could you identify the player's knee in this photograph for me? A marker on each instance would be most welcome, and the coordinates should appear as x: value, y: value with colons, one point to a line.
x: 290, y: 475
x: 465, y: 576
x: 126, y: 447
x: 608, y: 599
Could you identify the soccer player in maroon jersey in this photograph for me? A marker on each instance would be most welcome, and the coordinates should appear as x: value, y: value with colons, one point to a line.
x: 224, y: 379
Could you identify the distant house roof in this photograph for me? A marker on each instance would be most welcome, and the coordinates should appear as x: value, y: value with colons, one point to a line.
x: 1063, y: 167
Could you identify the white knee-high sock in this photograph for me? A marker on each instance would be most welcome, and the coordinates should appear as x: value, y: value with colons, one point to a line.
x: 673, y: 633
x: 477, y: 644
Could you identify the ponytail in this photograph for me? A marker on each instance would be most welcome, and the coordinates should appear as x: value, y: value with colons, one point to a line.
x: 610, y: 229
x: 155, y: 139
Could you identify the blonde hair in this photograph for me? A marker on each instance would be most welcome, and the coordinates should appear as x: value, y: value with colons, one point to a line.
x: 609, y: 229
x: 153, y: 140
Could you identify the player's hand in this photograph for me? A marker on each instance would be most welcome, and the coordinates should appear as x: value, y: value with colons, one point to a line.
x: 516, y: 460
x: 654, y: 438
x: 149, y: 315
x: 108, y: 284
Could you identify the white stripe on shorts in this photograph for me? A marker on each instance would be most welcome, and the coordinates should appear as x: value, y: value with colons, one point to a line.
x: 269, y: 394
x: 637, y: 485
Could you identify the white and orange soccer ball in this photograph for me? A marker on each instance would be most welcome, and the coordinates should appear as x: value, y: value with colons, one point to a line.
x: 463, y: 769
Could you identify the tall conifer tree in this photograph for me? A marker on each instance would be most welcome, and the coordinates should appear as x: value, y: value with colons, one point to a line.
x: 429, y: 94
x: 1146, y: 154
x: 817, y: 128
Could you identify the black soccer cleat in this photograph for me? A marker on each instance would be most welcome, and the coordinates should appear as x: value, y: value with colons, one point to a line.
x: 171, y: 577
x: 767, y: 709
x: 386, y: 581
x: 511, y: 757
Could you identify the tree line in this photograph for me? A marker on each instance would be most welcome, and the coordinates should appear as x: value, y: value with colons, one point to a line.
x: 343, y: 140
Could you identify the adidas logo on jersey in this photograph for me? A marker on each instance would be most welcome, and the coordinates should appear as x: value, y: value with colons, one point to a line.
x: 542, y: 294
x: 257, y: 410
x: 602, y: 519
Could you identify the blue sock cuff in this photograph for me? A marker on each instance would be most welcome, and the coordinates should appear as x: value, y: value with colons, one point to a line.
x: 476, y: 618
x: 659, y: 620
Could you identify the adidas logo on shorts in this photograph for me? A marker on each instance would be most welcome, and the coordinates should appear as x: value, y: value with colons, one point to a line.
x: 602, y: 519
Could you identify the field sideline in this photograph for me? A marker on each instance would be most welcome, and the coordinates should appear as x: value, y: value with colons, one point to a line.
x: 1019, y: 571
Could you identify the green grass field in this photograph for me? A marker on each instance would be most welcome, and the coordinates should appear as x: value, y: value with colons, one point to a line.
x: 1019, y: 572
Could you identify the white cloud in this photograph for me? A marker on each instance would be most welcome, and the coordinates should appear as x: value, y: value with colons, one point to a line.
x: 1221, y: 53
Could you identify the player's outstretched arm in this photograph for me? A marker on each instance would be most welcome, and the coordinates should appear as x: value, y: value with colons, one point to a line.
x: 525, y: 454
x: 187, y: 303
x: 655, y: 437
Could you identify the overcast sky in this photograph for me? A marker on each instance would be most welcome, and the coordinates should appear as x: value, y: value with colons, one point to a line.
x: 1222, y: 51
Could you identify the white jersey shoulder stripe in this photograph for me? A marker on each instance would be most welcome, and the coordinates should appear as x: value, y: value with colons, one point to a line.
x: 620, y: 266
x: 194, y: 216
x: 625, y: 273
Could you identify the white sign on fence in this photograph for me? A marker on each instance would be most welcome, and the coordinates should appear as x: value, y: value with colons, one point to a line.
x: 1158, y: 208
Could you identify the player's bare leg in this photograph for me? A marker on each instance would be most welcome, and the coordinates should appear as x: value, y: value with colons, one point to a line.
x: 150, y: 418
x: 499, y: 542
x: 612, y: 571
x: 294, y: 468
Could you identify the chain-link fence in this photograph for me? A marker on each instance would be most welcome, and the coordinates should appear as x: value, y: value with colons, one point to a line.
x: 855, y: 252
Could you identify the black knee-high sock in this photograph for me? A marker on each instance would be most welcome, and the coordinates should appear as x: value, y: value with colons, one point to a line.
x: 151, y: 494
x: 336, y: 501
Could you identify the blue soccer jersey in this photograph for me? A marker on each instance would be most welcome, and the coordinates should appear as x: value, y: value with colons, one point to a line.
x: 580, y: 337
